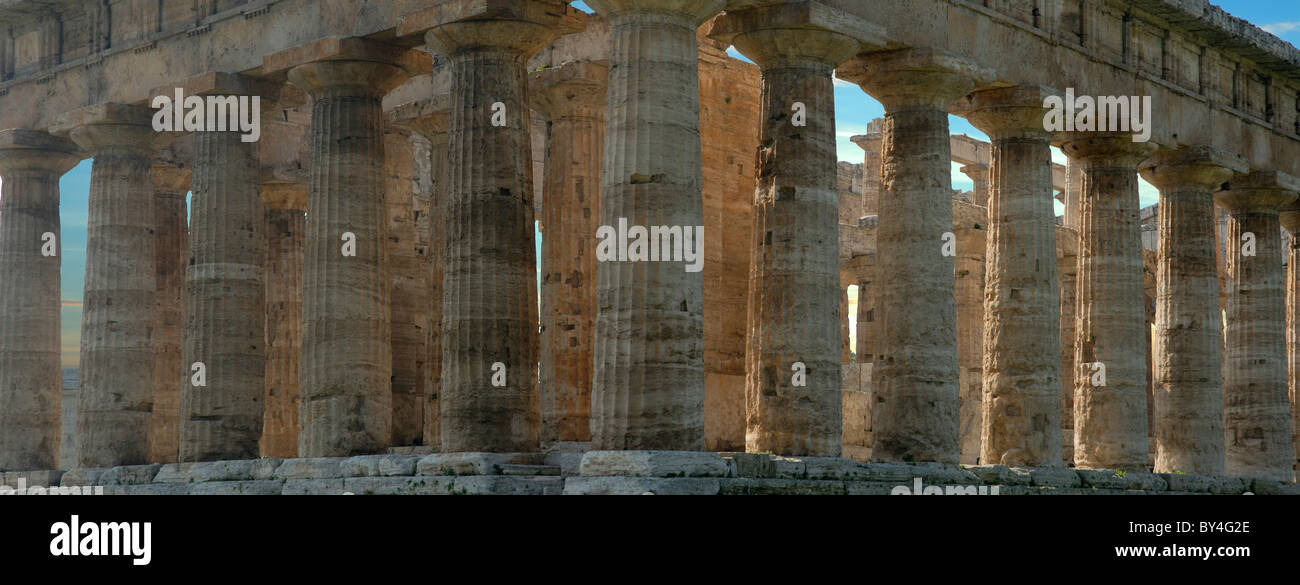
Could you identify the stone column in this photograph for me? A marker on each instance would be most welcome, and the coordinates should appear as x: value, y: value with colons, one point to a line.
x: 1290, y: 219
x: 649, y: 379
x: 979, y: 174
x: 1256, y: 408
x: 489, y: 339
x: 793, y: 391
x: 116, y: 380
x: 969, y: 272
x: 410, y: 293
x: 1067, y: 269
x: 572, y: 99
x: 31, y: 387
x: 845, y: 350
x: 345, y: 386
x: 171, y: 253
x: 1022, y: 366
x: 1073, y: 190
x: 286, y: 227
x: 1110, y: 400
x: 1188, y: 345
x: 870, y: 144
x: 224, y: 302
x: 915, y: 378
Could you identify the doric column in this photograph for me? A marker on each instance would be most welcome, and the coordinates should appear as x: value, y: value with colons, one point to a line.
x: 115, y: 383
x: 1110, y: 400
x: 410, y: 294
x: 649, y: 379
x: 1022, y: 366
x: 345, y: 372
x: 224, y: 293
x: 870, y: 145
x: 794, y: 383
x: 171, y: 254
x: 1290, y: 219
x: 31, y: 387
x: 489, y: 339
x: 1188, y: 344
x: 286, y: 227
x: 915, y: 396
x: 970, y: 274
x: 1073, y: 189
x: 1256, y: 408
x: 979, y: 174
x: 572, y: 99
x: 1067, y: 270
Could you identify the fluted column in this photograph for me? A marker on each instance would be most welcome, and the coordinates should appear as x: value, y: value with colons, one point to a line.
x: 1188, y: 344
x: 1110, y: 400
x: 969, y: 270
x: 409, y: 288
x: 31, y: 388
x: 649, y: 379
x: 489, y: 338
x: 915, y: 396
x: 116, y: 378
x: 979, y: 175
x: 1290, y: 219
x: 1256, y: 408
x: 870, y: 145
x: 286, y: 227
x: 344, y: 384
x: 1067, y: 269
x: 171, y: 253
x: 572, y: 99
x: 1022, y: 366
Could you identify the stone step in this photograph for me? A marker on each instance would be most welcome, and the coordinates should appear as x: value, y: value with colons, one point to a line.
x: 519, y: 469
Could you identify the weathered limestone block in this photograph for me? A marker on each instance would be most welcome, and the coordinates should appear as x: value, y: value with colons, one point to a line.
x: 1021, y: 372
x: 286, y: 226
x: 409, y: 287
x: 979, y: 175
x: 915, y: 375
x: 115, y: 381
x: 639, y: 486
x: 1188, y: 344
x: 1110, y: 418
x: 1256, y: 408
x: 470, y: 463
x: 30, y: 375
x: 171, y: 232
x: 379, y: 465
x: 856, y: 411
x: 653, y: 464
x: 793, y: 388
x: 649, y: 379
x: 488, y: 400
x: 571, y: 97
x: 345, y: 372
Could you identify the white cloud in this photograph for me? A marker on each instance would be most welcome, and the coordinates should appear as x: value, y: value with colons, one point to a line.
x: 1281, y: 28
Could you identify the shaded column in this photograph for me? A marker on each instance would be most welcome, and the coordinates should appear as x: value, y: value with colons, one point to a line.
x: 870, y: 145
x: 1188, y: 342
x: 572, y: 99
x: 116, y: 380
x: 345, y: 389
x: 171, y: 253
x: 979, y: 174
x: 31, y: 387
x: 1022, y: 366
x: 1290, y: 219
x: 1067, y: 269
x: 793, y: 390
x: 915, y: 375
x: 649, y: 379
x: 1110, y: 399
x: 286, y: 227
x: 409, y: 283
x: 845, y: 350
x: 1256, y: 407
x: 489, y: 338
x: 969, y: 272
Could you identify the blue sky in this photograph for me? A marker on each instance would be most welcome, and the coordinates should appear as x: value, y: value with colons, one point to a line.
x: 853, y: 110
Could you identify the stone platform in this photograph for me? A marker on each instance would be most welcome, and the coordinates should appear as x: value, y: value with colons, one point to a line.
x: 621, y: 473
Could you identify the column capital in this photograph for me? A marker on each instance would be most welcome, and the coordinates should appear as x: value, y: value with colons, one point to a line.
x: 1290, y: 218
x: 800, y: 32
x: 429, y: 116
x: 915, y: 77
x: 977, y: 171
x: 106, y: 128
x: 365, y: 66
x: 519, y: 26
x: 1266, y: 191
x: 691, y: 13
x: 1007, y: 112
x: 22, y: 150
x: 869, y: 142
x: 171, y: 179
x: 572, y: 89
x: 1198, y: 166
x: 1107, y: 148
